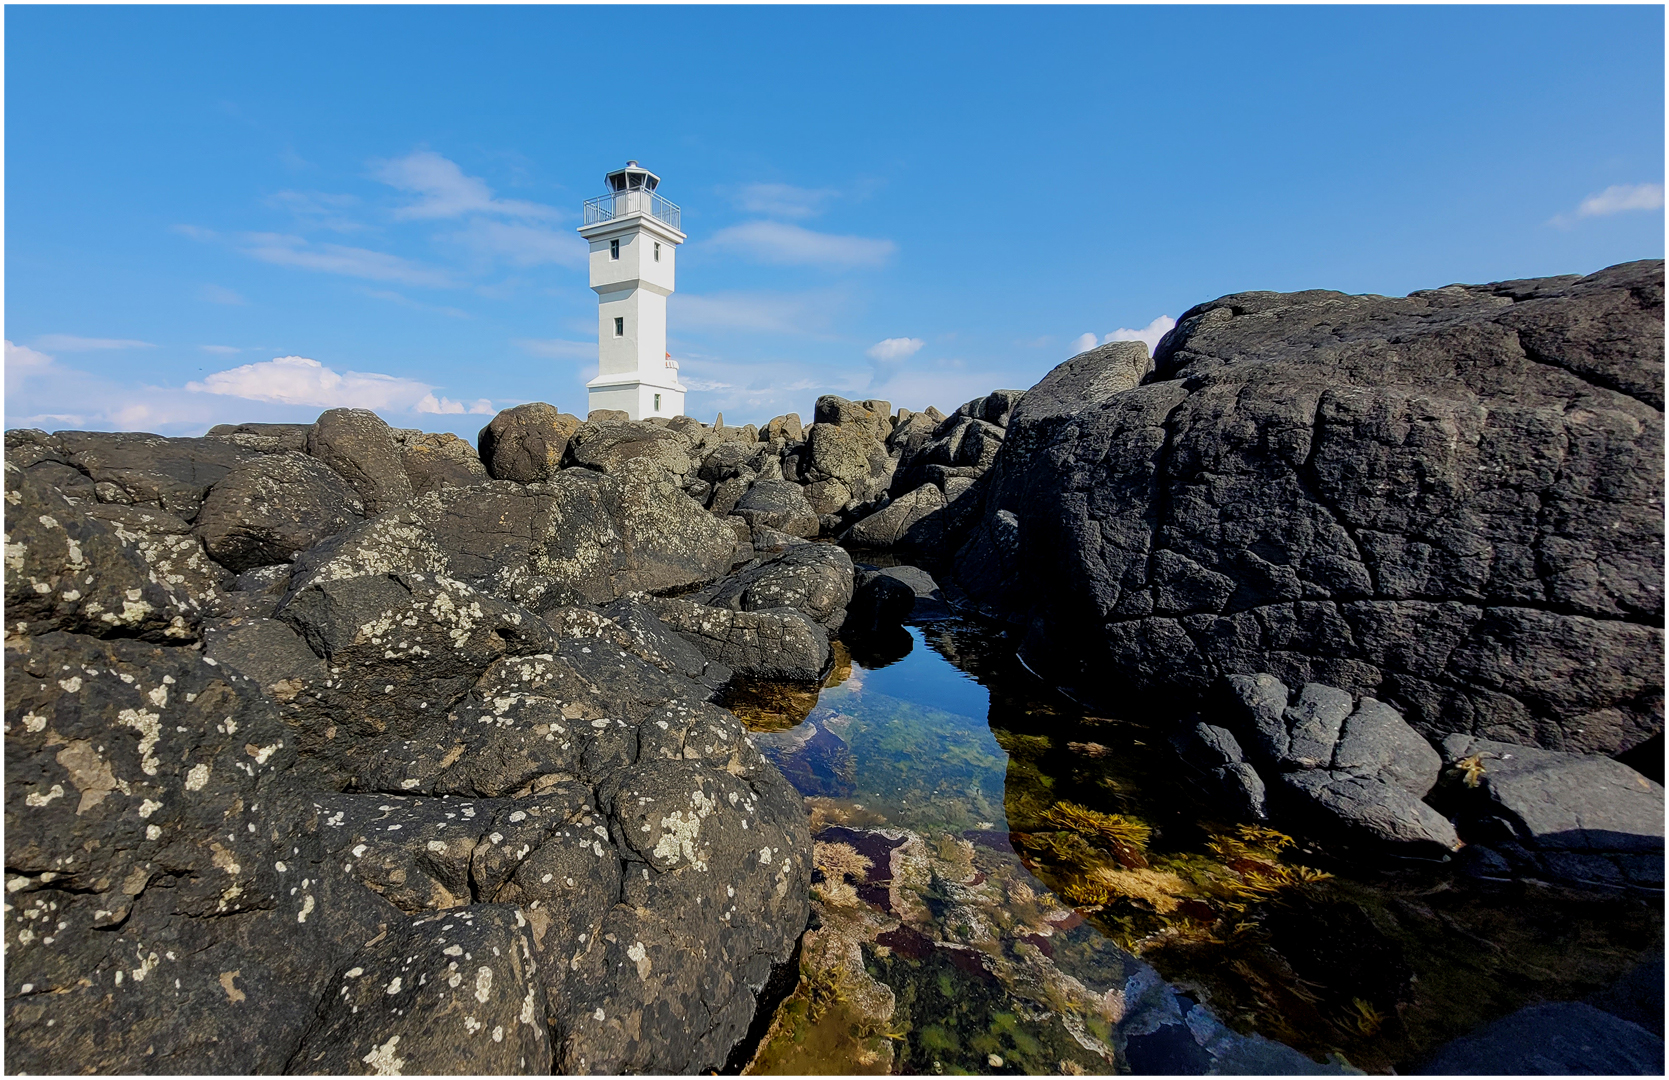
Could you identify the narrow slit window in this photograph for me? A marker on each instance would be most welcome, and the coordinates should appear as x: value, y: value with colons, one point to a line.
x: 619, y: 326
x: 614, y: 249
x: 657, y: 251
x: 657, y: 403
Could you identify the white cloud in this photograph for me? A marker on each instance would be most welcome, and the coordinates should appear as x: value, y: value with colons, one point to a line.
x: 444, y: 191
x: 221, y: 350
x: 22, y: 358
x: 523, y: 245
x: 783, y: 200
x: 431, y: 404
x: 219, y: 294
x: 1151, y: 333
x: 297, y: 380
x: 557, y: 348
x: 71, y: 343
x: 1621, y: 197
x: 1083, y: 343
x: 894, y: 348
x: 337, y: 259
x: 778, y: 242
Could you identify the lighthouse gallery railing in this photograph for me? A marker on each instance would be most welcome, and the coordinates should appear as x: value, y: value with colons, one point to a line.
x: 619, y: 203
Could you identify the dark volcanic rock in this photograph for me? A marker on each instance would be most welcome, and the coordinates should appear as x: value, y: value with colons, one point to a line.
x: 1556, y: 1039
x: 361, y: 448
x: 440, y: 460
x: 1579, y: 817
x: 814, y: 579
x: 583, y: 538
x: 779, y: 643
x: 609, y: 444
x: 169, y: 474
x: 893, y: 525
x: 274, y: 507
x: 526, y: 443
x: 1452, y: 501
x: 780, y: 505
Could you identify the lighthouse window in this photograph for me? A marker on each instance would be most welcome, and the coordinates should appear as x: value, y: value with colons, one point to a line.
x: 619, y: 327
x: 657, y: 403
x: 657, y: 252
x: 614, y: 249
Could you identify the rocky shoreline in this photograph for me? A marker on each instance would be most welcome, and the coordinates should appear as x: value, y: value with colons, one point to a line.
x: 341, y: 748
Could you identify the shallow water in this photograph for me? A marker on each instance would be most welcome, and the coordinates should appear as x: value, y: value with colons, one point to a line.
x: 1008, y: 884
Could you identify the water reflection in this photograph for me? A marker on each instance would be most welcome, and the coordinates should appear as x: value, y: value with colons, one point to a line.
x: 997, y: 871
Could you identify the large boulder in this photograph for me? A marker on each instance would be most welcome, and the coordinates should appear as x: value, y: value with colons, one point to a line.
x: 1581, y: 817
x: 608, y: 445
x: 274, y: 508
x: 780, y: 505
x: 903, y: 519
x: 435, y: 460
x: 526, y: 443
x: 1452, y: 501
x: 582, y: 538
x: 149, y: 470
x: 813, y: 579
x: 360, y: 446
x: 780, y: 644
x: 872, y: 416
x: 1563, y: 1038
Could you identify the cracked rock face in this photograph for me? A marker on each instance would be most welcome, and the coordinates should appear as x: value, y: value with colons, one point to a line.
x: 355, y: 814
x: 1452, y: 501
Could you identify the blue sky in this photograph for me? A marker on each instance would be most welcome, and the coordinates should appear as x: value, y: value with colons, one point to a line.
x: 219, y: 214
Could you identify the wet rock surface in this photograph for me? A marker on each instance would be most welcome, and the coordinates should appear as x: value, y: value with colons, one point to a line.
x: 1451, y: 501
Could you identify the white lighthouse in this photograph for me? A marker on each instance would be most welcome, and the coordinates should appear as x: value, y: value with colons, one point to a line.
x: 634, y: 235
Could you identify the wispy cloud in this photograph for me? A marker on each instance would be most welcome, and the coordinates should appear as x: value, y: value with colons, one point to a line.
x: 405, y: 301
x: 221, y: 350
x: 1620, y: 197
x: 784, y: 244
x: 783, y: 200
x: 799, y: 313
x: 72, y: 343
x: 220, y: 294
x: 443, y: 191
x: 521, y: 244
x: 298, y: 380
x: 443, y: 406
x: 557, y: 348
x: 318, y: 209
x: 894, y: 348
x: 295, y: 251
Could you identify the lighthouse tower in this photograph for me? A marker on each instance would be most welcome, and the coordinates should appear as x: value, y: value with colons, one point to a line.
x: 633, y: 234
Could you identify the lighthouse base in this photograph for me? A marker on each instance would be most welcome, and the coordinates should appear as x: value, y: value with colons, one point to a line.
x: 636, y: 397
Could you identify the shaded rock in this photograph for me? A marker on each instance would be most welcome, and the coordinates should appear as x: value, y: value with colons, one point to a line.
x: 780, y: 505
x: 1401, y: 497
x: 879, y: 603
x: 769, y: 541
x: 360, y: 446
x: 779, y: 643
x: 436, y: 460
x: 827, y: 498
x: 1556, y: 1039
x: 527, y: 443
x: 661, y: 647
x: 608, y: 445
x: 274, y: 507
x: 1377, y: 741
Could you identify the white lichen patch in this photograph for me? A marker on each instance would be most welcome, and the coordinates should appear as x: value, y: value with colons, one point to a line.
x: 382, y: 1061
